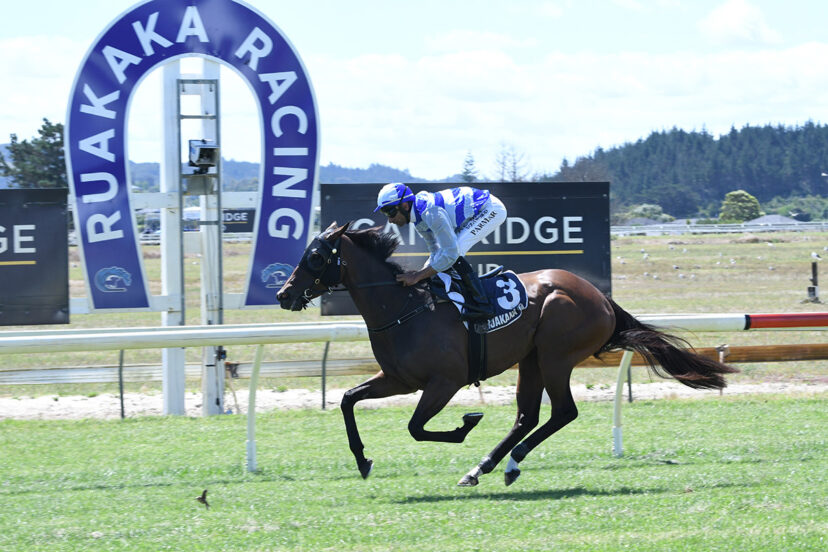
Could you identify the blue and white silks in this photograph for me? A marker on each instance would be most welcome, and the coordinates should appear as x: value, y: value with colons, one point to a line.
x: 452, y: 221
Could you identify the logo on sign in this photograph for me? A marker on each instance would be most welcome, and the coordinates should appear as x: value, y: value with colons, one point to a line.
x: 113, y: 279
x: 275, y: 275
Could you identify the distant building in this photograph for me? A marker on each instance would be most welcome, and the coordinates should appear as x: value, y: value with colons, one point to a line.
x: 772, y: 219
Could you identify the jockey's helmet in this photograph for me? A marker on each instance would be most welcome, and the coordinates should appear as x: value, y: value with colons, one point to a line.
x: 393, y: 194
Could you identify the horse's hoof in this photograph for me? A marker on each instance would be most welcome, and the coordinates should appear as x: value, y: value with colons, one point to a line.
x: 511, y: 476
x: 472, y: 418
x: 467, y: 481
x: 366, y: 467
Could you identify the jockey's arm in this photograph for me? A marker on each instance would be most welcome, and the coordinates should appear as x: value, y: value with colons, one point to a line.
x: 444, y: 249
x: 411, y: 278
x: 442, y: 244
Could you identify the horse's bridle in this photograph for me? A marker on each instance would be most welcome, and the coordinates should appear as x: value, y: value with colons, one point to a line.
x: 319, y: 258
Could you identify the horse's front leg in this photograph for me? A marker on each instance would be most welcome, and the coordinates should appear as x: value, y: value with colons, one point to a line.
x: 436, y: 395
x: 375, y: 388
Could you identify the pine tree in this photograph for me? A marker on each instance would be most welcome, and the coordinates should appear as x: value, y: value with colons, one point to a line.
x: 39, y: 162
x: 470, y: 173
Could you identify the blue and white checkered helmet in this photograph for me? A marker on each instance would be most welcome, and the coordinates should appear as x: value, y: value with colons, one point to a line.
x: 393, y: 194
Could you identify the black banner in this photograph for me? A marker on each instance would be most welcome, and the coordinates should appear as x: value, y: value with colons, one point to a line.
x: 34, y: 257
x: 550, y: 225
x: 237, y: 220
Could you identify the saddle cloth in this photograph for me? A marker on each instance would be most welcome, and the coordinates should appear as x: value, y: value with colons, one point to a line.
x: 505, y: 291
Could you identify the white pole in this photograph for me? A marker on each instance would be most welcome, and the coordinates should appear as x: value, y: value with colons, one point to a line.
x: 251, y: 411
x: 212, y: 379
x: 172, y: 360
x: 617, y: 444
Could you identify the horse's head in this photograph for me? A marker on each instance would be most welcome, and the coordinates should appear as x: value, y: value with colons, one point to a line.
x: 316, y: 273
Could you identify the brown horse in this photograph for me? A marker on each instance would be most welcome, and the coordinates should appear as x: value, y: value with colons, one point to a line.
x: 422, y: 345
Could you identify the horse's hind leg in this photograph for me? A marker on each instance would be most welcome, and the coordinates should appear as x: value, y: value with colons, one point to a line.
x: 436, y: 395
x: 375, y: 388
x: 556, y: 381
x: 528, y: 395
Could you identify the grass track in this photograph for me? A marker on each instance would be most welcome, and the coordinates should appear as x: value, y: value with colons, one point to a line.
x: 714, y: 474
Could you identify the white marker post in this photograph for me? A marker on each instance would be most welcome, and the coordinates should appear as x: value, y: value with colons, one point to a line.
x: 251, y: 410
x: 617, y: 438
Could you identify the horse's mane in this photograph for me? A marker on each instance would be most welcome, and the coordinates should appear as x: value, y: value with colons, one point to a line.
x: 378, y: 244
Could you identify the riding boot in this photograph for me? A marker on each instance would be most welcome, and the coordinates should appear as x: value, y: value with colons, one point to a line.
x: 481, y: 307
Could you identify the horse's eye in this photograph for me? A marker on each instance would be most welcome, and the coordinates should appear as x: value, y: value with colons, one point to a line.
x: 315, y: 260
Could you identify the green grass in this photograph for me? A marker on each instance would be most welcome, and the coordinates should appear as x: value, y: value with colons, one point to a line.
x: 736, y: 474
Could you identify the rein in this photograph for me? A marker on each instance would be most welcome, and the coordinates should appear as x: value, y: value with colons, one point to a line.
x: 365, y: 285
x: 401, y: 319
x: 377, y: 284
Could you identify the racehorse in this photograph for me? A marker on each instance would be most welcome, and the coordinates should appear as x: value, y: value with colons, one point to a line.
x: 420, y: 345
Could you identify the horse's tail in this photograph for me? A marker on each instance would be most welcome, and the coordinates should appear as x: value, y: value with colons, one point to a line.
x: 667, y: 355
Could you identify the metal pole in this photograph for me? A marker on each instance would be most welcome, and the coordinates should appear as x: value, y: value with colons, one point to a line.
x: 121, y: 380
x: 211, y: 250
x: 220, y: 217
x: 172, y: 248
x: 324, y: 371
x: 251, y: 410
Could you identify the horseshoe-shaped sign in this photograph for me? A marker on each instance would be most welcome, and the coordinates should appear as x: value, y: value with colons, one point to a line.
x: 152, y: 33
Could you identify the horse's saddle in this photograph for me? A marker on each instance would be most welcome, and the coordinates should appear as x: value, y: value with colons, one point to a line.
x: 503, y: 288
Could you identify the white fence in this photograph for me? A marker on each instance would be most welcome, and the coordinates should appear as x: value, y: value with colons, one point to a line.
x: 154, y: 372
x: 54, y: 341
x: 675, y: 229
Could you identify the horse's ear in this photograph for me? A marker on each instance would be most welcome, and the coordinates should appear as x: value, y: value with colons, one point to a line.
x: 341, y: 230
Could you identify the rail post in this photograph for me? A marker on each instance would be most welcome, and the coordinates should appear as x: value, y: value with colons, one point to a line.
x: 251, y: 410
x: 617, y: 438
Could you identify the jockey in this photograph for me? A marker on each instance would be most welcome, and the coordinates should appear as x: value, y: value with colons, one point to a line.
x: 451, y: 222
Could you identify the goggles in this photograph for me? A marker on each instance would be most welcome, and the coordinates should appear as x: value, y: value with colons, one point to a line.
x: 390, y: 211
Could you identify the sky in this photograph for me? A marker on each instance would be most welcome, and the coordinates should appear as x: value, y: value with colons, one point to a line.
x: 419, y: 85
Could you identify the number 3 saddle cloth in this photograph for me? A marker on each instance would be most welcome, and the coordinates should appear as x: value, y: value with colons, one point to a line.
x: 504, y: 289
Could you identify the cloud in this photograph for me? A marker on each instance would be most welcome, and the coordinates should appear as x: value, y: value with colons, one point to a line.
x: 37, y: 74
x: 738, y: 22
x: 632, y: 5
x: 424, y: 114
x: 464, y: 40
x: 554, y: 8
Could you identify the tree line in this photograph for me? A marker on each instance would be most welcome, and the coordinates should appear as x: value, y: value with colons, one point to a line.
x: 680, y: 173
x: 689, y: 173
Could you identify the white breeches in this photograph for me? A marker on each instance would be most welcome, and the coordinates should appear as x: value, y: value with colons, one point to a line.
x: 492, y: 215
